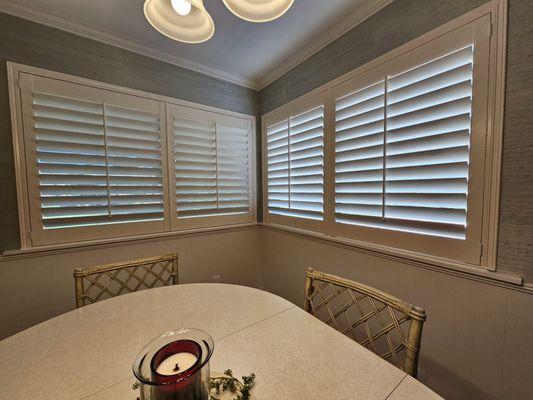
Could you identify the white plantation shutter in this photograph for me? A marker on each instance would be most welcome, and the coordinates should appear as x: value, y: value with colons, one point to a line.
x: 93, y: 171
x: 134, y: 160
x: 306, y: 164
x: 97, y: 163
x: 359, y: 143
x: 405, y: 157
x: 428, y: 139
x: 212, y: 164
x: 278, y: 167
x: 233, y: 175
x: 295, y: 164
x: 402, y: 149
x: 93, y: 161
x: 71, y: 159
x: 196, y: 167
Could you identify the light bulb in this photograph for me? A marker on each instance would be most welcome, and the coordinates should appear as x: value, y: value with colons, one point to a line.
x: 182, y: 7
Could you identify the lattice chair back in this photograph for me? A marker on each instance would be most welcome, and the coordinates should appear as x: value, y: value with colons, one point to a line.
x: 104, y: 281
x: 388, y: 326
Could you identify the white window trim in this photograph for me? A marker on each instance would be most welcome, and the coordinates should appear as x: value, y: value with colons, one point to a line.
x: 496, y: 10
x: 14, y: 70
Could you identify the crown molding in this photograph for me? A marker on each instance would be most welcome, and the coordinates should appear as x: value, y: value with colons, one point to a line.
x: 359, y: 15
x: 110, y: 39
x: 367, y: 9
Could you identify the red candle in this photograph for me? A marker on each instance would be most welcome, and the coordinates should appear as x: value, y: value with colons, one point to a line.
x: 175, y: 369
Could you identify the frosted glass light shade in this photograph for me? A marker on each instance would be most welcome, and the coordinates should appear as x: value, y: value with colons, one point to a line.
x: 195, y: 27
x: 258, y: 10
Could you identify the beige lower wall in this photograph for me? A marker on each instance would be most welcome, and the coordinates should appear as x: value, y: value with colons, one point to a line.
x: 37, y: 288
x: 477, y: 342
x: 478, y: 339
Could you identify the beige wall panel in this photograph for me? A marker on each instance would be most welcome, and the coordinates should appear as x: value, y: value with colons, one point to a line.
x: 34, y: 289
x: 488, y: 342
x: 518, y: 352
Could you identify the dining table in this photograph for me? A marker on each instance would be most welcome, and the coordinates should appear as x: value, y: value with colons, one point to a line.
x: 88, y: 353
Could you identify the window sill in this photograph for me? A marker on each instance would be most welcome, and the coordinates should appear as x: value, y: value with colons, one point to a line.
x: 408, y: 257
x: 102, y: 243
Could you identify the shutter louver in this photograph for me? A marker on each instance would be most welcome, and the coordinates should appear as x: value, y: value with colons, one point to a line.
x: 134, y: 164
x: 212, y: 168
x: 91, y: 163
x: 196, y: 167
x: 427, y: 123
x: 71, y: 161
x: 295, y: 152
x: 278, y: 167
x: 428, y: 139
x: 232, y: 166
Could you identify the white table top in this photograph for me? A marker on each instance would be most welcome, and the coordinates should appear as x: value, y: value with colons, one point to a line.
x: 88, y: 353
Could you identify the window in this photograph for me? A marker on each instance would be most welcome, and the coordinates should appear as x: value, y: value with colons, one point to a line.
x: 402, y: 149
x: 212, y: 164
x: 359, y: 155
x: 97, y: 161
x: 404, y: 155
x: 295, y: 165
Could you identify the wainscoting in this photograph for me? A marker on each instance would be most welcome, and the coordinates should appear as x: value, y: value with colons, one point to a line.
x: 477, y: 339
x: 37, y: 287
x: 476, y: 342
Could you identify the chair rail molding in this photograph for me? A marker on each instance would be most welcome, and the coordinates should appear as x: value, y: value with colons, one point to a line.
x: 505, y: 279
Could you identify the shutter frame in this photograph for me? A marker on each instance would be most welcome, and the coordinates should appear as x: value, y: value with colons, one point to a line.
x: 20, y: 79
x: 301, y: 170
x: 431, y: 46
x: 216, y: 216
x: 296, y: 192
x: 465, y: 250
x: 42, y: 233
x: 428, y: 104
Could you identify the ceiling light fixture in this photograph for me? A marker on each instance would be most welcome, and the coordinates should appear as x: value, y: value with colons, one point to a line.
x: 258, y: 10
x: 182, y: 20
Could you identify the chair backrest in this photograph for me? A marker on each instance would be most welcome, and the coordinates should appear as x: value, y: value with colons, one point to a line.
x: 104, y: 281
x: 388, y: 326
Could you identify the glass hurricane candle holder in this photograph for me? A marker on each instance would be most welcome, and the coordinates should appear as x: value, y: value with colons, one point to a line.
x: 175, y: 366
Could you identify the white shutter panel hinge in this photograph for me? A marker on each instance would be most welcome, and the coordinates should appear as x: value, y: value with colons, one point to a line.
x: 32, y: 237
x: 24, y: 81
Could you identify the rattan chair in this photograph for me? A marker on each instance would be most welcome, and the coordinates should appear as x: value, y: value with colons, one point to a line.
x: 384, y: 324
x: 104, y: 281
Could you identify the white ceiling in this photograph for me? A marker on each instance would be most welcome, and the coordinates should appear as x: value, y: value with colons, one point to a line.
x: 242, y: 52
